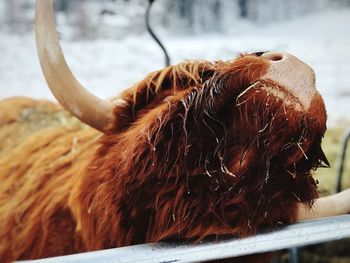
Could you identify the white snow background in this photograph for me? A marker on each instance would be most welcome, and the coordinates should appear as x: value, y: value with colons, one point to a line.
x: 107, y: 66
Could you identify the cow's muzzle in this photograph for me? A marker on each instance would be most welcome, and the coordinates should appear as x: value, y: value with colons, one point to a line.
x: 293, y: 74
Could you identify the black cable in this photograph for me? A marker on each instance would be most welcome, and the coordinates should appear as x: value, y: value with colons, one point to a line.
x: 149, y: 29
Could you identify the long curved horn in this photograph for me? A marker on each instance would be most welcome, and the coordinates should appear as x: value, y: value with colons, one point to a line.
x: 65, y: 87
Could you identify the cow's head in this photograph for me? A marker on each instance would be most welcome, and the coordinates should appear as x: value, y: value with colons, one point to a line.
x: 247, y: 131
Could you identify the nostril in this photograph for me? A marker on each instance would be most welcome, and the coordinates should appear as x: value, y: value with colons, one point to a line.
x: 276, y: 57
x: 273, y: 56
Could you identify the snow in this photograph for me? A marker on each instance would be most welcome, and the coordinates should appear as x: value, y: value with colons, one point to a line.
x: 107, y: 66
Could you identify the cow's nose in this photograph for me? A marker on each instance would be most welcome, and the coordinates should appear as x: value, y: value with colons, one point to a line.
x: 290, y: 72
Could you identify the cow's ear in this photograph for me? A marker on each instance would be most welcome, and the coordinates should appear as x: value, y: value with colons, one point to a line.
x: 145, y: 91
x: 170, y: 81
x: 141, y: 95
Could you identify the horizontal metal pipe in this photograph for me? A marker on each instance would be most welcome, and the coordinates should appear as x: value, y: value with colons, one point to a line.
x: 300, y: 234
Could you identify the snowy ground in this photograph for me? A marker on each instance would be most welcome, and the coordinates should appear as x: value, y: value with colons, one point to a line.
x: 108, y: 66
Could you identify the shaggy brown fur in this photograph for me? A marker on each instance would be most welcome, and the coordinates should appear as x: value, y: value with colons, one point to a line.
x: 200, y: 150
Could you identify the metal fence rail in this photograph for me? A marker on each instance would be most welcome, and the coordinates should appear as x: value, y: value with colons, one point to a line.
x: 341, y: 165
x: 300, y: 234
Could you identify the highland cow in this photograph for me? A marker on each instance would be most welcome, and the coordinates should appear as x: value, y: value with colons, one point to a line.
x: 196, y: 150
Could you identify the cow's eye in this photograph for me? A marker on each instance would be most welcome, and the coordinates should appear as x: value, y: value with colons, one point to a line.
x: 258, y: 54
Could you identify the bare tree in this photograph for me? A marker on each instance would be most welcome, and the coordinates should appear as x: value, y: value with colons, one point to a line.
x: 82, y: 19
x: 63, y: 5
x: 10, y: 12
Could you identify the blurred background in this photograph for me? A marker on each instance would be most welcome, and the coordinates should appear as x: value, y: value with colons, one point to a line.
x: 108, y: 48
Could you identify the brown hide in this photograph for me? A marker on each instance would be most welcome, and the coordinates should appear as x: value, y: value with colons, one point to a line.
x: 200, y: 150
x: 41, y: 149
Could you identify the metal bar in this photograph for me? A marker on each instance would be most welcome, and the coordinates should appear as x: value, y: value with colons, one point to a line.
x: 294, y: 255
x: 300, y: 234
x: 340, y: 168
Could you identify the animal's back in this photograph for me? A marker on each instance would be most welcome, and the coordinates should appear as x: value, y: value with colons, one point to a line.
x: 42, y: 152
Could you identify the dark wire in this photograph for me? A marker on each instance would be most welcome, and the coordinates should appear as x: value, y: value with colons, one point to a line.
x: 149, y: 29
